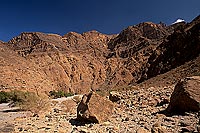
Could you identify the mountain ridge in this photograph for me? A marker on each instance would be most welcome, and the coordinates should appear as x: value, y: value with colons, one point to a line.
x: 79, y: 62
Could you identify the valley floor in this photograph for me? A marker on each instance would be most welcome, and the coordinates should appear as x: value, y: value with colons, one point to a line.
x: 138, y: 111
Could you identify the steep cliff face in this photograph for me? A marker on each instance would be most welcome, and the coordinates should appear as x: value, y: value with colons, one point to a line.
x: 92, y: 60
x: 36, y: 42
x: 132, y: 48
x: 181, y: 46
x: 17, y: 72
x: 137, y: 37
x: 74, y: 62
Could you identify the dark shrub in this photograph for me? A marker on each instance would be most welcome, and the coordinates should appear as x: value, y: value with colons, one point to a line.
x: 4, y: 97
x: 59, y: 94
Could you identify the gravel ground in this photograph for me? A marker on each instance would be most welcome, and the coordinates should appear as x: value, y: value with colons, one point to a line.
x: 138, y: 111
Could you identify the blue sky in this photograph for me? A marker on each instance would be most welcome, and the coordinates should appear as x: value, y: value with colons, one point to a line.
x: 106, y: 16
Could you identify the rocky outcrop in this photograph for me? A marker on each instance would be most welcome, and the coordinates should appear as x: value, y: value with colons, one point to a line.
x: 186, y: 96
x: 18, y: 73
x: 94, y: 108
x: 137, y: 37
x: 181, y: 46
x: 131, y: 50
x: 72, y: 63
x: 35, y: 42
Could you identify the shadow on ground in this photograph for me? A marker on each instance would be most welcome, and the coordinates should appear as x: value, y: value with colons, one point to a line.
x: 76, y: 122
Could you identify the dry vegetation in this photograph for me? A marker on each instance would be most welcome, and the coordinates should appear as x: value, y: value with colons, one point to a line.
x: 27, y: 101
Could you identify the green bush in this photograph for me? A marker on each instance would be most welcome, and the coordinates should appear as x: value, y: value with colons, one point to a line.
x: 59, y: 94
x: 4, y: 97
x: 68, y: 94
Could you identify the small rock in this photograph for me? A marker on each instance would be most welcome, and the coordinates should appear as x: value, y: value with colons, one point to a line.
x: 160, y: 116
x: 106, y: 123
x: 115, y: 96
x: 20, y: 129
x: 198, y: 128
x: 170, y: 119
x: 184, y: 123
x: 56, y: 110
x: 47, y: 128
x: 142, y: 130
x: 157, y: 128
x: 116, y: 128
x: 163, y: 102
x: 187, y: 129
x: 125, y: 119
x: 83, y: 131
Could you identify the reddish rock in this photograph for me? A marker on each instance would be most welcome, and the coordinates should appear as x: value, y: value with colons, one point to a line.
x: 142, y: 130
x: 72, y: 63
x: 186, y: 96
x: 94, y: 108
x: 157, y: 128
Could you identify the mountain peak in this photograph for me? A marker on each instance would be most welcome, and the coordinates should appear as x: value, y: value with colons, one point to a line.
x: 178, y: 21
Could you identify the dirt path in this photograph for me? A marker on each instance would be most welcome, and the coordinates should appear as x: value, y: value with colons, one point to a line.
x: 9, y: 113
x: 7, y: 116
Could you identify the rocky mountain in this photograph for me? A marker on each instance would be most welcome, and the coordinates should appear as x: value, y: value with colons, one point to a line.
x: 132, y: 48
x: 150, y: 71
x: 72, y: 63
x: 80, y: 62
x: 181, y: 46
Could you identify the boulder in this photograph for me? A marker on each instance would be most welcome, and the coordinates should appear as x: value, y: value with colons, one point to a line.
x: 160, y: 129
x: 157, y: 128
x: 94, y: 108
x: 115, y: 96
x: 186, y: 96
